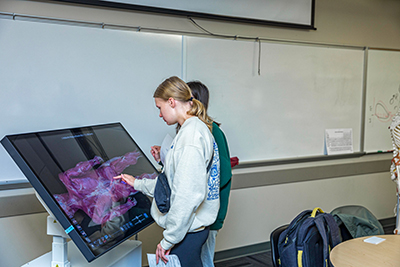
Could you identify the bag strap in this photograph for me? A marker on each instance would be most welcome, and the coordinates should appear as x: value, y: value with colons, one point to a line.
x: 333, y: 227
x: 320, y: 223
x: 320, y: 219
x: 212, y: 158
x: 210, y: 163
x: 331, y: 223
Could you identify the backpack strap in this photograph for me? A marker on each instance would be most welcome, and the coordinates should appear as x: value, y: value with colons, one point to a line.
x: 210, y: 163
x: 330, y: 221
x: 333, y: 227
x: 320, y: 223
x: 215, y: 147
x: 321, y: 220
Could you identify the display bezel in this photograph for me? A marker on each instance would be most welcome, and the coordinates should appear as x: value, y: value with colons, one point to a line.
x: 47, y: 197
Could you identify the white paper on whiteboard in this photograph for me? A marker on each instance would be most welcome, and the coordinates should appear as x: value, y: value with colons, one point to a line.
x: 339, y: 141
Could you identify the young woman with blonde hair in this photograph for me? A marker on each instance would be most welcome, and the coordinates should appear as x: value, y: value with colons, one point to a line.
x: 194, y: 190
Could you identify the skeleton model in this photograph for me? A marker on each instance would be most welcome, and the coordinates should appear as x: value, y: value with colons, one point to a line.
x: 395, y: 166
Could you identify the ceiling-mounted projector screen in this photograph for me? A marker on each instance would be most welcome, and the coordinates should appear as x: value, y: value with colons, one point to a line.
x: 286, y: 13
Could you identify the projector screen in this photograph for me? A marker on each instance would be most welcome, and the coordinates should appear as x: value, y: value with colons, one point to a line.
x: 72, y: 170
x: 286, y: 13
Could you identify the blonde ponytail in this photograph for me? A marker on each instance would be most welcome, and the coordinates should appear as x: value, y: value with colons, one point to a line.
x: 179, y: 90
x: 200, y: 111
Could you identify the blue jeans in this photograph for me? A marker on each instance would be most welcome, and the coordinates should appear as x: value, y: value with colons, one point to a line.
x: 208, y: 249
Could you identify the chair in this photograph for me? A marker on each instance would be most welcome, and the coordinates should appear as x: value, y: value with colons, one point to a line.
x: 274, y: 238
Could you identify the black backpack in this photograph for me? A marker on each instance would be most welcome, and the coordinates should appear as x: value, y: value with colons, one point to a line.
x: 308, y: 240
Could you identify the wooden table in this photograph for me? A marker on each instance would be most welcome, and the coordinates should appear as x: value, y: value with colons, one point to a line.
x: 356, y: 252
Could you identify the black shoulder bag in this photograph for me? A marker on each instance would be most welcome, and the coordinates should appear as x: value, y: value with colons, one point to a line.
x: 162, y: 192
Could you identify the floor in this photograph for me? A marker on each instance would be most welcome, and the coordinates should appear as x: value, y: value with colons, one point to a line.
x: 256, y: 260
x: 264, y: 259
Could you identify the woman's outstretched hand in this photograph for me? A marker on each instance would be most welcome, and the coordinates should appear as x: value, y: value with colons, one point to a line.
x: 129, y: 179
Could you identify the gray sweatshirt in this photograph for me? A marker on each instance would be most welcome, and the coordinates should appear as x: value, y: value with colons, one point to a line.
x: 194, y: 202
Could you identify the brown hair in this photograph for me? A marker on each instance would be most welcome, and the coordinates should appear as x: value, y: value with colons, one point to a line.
x: 201, y: 93
x: 179, y: 90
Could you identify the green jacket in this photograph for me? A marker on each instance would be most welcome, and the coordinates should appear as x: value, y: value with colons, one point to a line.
x: 225, y: 176
x: 358, y: 220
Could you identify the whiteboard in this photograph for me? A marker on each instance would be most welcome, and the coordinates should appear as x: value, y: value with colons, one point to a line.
x: 59, y: 76
x: 282, y: 113
x: 382, y: 98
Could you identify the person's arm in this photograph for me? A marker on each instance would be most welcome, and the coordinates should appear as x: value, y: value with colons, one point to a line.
x: 145, y: 186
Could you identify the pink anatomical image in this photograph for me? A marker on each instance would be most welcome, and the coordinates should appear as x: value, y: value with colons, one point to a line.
x: 92, y: 189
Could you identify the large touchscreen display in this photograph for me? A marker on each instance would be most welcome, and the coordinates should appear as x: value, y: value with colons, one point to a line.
x: 73, y: 169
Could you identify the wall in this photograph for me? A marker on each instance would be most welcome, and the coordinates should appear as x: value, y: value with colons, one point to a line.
x: 269, y: 191
x: 373, y: 23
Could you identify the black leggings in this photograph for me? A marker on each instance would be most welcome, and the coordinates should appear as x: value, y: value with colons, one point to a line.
x: 189, y: 249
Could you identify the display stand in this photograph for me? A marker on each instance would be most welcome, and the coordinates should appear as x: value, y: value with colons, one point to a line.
x: 66, y: 254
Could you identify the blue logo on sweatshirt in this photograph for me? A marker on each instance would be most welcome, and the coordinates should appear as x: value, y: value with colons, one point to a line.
x: 213, y: 181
